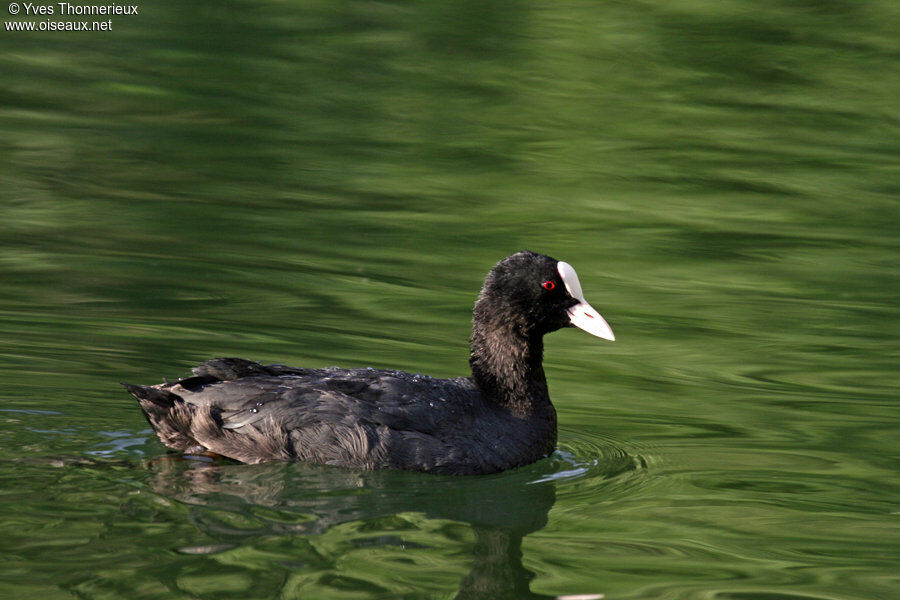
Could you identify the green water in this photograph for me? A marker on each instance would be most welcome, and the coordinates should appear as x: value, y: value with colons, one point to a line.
x: 326, y: 183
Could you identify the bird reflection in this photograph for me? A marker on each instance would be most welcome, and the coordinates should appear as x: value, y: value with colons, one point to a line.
x: 499, y: 509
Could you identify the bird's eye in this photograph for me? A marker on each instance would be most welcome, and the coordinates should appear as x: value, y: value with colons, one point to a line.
x: 548, y: 285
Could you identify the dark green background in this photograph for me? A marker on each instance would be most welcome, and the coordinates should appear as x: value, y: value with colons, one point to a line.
x: 321, y: 183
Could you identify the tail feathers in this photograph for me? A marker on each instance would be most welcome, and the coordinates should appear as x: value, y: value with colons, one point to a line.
x: 168, y: 415
x: 161, y: 398
x: 194, y: 428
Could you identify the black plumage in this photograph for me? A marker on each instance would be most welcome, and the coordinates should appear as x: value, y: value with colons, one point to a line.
x: 500, y: 417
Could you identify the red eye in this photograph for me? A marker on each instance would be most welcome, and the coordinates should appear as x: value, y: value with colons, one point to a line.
x: 548, y: 285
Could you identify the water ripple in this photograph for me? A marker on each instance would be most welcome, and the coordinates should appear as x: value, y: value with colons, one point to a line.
x: 586, y: 467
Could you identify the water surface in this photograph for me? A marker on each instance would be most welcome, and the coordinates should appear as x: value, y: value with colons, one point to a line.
x: 327, y: 183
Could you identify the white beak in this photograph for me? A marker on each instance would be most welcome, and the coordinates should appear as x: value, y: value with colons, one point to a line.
x: 583, y: 315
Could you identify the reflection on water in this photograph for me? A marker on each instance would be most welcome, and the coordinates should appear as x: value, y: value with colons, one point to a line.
x: 326, y: 184
x: 365, y: 514
x: 373, y: 513
x: 289, y: 528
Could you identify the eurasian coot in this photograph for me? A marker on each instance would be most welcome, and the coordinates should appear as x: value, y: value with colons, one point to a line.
x: 500, y: 417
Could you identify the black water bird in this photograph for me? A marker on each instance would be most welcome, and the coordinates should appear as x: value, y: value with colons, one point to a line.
x: 499, y: 418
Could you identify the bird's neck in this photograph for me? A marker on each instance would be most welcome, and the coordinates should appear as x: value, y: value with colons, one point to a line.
x: 507, y: 367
